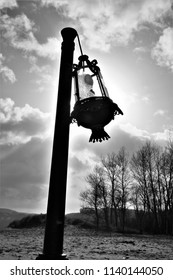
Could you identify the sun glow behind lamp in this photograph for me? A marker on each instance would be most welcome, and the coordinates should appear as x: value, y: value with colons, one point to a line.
x: 93, y: 108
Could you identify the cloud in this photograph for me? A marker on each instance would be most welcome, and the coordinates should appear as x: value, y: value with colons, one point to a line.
x: 107, y: 23
x: 26, y: 166
x: 159, y: 112
x: 146, y: 99
x: 6, y: 72
x: 8, y: 4
x: 76, y: 163
x: 154, y: 11
x: 20, y: 31
x: 25, y: 175
x: 101, y: 24
x: 163, y: 136
x: 21, y: 124
x: 26, y: 146
x: 134, y: 131
x: 121, y: 134
x: 163, y: 50
x: 140, y: 49
x: 55, y: 3
x: 44, y: 75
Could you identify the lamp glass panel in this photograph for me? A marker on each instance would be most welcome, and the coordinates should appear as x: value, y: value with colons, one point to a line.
x: 103, y: 83
x: 85, y: 82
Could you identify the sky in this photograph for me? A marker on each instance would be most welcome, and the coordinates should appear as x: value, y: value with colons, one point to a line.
x: 132, y: 41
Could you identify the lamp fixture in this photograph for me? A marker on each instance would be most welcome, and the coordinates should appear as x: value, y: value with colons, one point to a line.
x: 92, y: 110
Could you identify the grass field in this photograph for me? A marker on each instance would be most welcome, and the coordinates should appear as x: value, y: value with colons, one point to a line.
x: 80, y: 243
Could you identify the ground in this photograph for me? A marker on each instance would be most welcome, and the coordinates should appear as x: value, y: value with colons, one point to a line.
x: 85, y: 244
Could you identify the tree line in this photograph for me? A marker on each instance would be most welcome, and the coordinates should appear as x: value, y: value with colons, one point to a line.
x: 142, y: 182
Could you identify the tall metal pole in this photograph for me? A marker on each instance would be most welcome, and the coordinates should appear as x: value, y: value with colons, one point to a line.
x: 54, y: 231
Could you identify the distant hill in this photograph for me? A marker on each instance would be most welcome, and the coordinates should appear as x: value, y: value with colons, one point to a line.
x: 15, y: 219
x: 38, y: 220
x: 8, y: 215
x: 29, y: 221
x: 80, y: 219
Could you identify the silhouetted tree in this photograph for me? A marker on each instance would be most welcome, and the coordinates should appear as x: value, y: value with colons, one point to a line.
x: 93, y: 196
x: 123, y: 182
x: 146, y: 183
x: 110, y: 165
x: 167, y: 186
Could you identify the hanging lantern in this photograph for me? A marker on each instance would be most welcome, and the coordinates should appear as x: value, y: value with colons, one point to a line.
x: 92, y: 110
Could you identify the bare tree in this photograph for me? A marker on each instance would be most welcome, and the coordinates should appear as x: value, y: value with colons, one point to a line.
x: 117, y: 178
x: 151, y: 152
x: 95, y: 196
x: 141, y: 189
x: 110, y: 165
x: 150, y: 179
x: 167, y: 186
x: 136, y: 201
x: 123, y: 179
x: 104, y: 192
x: 146, y: 183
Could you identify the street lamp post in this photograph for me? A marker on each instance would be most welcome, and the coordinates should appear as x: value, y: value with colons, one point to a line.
x: 92, y: 111
x: 54, y: 231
